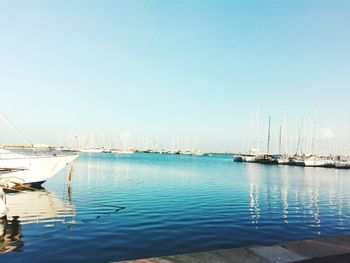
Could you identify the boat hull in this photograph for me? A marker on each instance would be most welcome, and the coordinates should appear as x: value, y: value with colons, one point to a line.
x: 238, y: 158
x: 34, y: 170
x: 283, y: 161
x: 342, y: 165
x: 295, y: 161
x: 250, y: 159
x: 267, y: 159
x: 319, y: 163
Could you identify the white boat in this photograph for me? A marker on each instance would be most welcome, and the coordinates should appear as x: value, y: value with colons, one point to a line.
x: 198, y: 153
x: 186, y: 153
x: 296, y: 161
x: 252, y: 154
x: 250, y: 158
x: 283, y: 161
x: 342, y: 164
x: 123, y: 151
x: 30, y: 169
x: 314, y: 161
x: 92, y: 150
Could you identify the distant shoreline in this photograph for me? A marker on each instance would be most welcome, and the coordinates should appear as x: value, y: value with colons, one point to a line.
x: 53, y: 148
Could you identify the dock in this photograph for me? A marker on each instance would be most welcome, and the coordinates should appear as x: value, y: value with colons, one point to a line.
x: 330, y: 250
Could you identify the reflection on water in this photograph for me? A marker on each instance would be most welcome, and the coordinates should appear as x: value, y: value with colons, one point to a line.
x: 254, y: 203
x: 10, y: 235
x: 315, y: 194
x: 31, y: 207
x: 38, y: 207
x: 147, y: 205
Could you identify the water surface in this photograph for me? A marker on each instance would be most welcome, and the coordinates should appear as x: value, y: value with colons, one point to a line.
x: 143, y: 205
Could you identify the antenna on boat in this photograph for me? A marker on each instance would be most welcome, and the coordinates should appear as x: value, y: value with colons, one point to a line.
x: 7, y: 122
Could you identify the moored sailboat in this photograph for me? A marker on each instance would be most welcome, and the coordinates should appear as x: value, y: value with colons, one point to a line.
x: 318, y: 161
x: 266, y: 159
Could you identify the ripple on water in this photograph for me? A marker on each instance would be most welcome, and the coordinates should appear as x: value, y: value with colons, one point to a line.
x: 144, y: 205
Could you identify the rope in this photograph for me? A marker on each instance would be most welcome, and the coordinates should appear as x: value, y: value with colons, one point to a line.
x: 7, y: 122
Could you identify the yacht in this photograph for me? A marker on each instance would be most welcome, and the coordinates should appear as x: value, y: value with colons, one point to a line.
x: 30, y: 169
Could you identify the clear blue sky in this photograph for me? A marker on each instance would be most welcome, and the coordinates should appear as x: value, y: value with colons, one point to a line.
x: 171, y: 68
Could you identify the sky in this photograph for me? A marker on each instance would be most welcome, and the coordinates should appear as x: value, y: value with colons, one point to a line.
x: 165, y: 69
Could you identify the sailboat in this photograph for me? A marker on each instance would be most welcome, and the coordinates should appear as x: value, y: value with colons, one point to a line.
x: 318, y: 161
x: 251, y: 155
x: 313, y: 160
x: 298, y: 159
x: 343, y: 162
x: 267, y: 158
x: 284, y: 158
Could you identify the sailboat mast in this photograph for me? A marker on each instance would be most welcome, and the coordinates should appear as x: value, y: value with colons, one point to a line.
x: 280, y: 141
x: 299, y: 131
x: 257, y: 130
x: 268, y: 135
x: 285, y: 132
x: 314, y: 131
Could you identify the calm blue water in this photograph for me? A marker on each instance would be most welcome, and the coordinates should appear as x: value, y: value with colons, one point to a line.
x: 143, y: 205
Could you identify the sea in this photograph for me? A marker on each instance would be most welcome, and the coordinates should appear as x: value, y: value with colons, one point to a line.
x: 131, y: 206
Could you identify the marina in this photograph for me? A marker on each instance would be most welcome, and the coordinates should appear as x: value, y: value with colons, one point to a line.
x: 133, y: 199
x: 307, y: 153
x: 174, y: 131
x: 337, y: 162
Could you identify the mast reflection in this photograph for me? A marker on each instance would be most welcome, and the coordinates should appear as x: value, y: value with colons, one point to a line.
x: 253, y: 178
